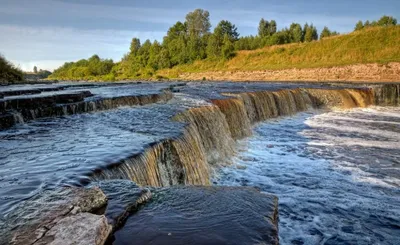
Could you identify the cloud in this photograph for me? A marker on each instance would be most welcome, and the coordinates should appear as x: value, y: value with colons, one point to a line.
x: 43, y: 46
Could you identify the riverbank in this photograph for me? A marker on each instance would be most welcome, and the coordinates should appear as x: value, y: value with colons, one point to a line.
x: 351, y: 73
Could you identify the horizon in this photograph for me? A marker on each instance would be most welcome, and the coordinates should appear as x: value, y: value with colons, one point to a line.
x: 49, y: 33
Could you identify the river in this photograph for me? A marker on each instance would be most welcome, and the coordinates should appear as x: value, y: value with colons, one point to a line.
x: 337, y: 174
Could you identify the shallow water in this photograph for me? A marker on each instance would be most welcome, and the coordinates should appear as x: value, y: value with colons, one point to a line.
x: 337, y: 175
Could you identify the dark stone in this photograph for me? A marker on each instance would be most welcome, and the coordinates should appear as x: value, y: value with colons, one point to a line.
x: 204, y: 215
x: 124, y: 198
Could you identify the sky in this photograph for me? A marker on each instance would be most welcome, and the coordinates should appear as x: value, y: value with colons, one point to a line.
x: 47, y: 33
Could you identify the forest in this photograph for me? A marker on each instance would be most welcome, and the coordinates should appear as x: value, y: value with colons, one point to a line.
x: 193, y: 40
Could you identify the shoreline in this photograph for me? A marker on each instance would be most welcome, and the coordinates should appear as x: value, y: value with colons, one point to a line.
x: 359, y: 73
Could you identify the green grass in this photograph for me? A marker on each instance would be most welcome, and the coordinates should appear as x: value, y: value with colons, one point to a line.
x: 9, y: 73
x: 373, y: 45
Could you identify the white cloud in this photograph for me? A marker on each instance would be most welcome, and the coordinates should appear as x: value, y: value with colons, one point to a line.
x: 48, y: 47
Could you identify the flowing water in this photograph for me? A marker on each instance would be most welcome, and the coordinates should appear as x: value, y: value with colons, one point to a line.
x: 337, y: 174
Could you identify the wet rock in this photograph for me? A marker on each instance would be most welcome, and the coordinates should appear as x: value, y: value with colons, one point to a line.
x: 6, y: 120
x: 204, y: 215
x: 80, y: 229
x: 124, y: 198
x: 32, y: 219
x: 42, y: 102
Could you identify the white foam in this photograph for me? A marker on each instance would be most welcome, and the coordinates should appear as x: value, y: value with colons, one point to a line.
x: 300, y: 159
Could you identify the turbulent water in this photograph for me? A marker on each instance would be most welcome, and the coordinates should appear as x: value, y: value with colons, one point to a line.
x: 337, y: 174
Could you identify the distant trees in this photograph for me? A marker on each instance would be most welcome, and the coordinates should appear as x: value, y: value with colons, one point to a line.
x: 310, y: 33
x: 35, y: 69
x: 296, y: 33
x: 327, y: 33
x: 191, y: 40
x: 383, y: 21
x: 266, y: 28
x: 84, y: 69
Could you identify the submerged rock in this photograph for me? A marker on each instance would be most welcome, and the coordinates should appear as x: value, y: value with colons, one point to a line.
x: 124, y: 198
x: 204, y: 215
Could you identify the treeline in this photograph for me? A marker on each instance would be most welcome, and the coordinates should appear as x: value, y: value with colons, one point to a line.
x: 8, y: 72
x: 186, y: 42
x: 383, y: 21
x: 89, y: 69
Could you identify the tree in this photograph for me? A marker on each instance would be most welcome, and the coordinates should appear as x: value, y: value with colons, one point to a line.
x: 135, y: 46
x: 213, y: 47
x: 325, y: 33
x: 226, y: 27
x: 359, y: 26
x: 263, y: 28
x: 174, y: 32
x: 296, y: 32
x: 35, y: 69
x: 198, y: 22
x: 154, y: 53
x: 266, y: 28
x: 228, y: 50
x: 310, y: 33
x: 387, y: 21
x: 272, y: 27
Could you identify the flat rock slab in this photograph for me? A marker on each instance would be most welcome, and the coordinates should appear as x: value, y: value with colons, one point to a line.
x: 34, y: 218
x: 80, y: 229
x: 203, y: 215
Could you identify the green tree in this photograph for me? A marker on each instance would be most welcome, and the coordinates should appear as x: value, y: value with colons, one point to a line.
x: 310, y: 33
x: 154, y: 55
x: 135, y: 46
x: 228, y: 50
x: 359, y: 26
x: 387, y: 21
x: 272, y: 27
x: 296, y: 32
x: 213, y: 47
x: 226, y: 27
x: 164, y: 60
x: 35, y: 69
x: 198, y: 22
x: 325, y: 33
x: 174, y: 32
x: 263, y: 28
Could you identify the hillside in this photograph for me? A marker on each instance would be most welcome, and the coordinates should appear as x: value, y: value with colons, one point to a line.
x: 8, y: 72
x: 379, y: 45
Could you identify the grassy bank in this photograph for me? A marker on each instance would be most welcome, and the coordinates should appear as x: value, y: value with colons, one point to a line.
x: 372, y: 45
x: 9, y: 73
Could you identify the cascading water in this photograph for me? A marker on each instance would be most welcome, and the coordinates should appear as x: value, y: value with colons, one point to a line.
x: 209, y: 135
x: 156, y: 145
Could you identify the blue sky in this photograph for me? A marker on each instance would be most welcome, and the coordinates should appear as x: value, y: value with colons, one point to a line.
x: 47, y: 33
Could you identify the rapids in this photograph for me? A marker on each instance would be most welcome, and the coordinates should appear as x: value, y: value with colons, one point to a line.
x: 337, y: 174
x: 163, y: 134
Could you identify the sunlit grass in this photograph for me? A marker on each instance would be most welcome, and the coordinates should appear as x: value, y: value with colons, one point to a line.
x: 373, y: 45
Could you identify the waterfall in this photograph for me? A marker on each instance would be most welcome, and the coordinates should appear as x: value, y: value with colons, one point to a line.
x: 210, y: 131
x: 18, y: 118
x: 30, y: 109
x: 215, y: 136
x: 387, y: 95
x: 236, y: 116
